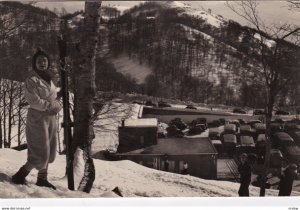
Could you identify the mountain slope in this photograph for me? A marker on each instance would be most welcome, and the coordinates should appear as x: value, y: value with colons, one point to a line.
x: 193, y: 54
x: 178, y: 43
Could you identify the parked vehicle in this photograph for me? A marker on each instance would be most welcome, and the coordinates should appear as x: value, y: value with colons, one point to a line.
x: 296, y: 136
x: 275, y: 127
x: 236, y: 123
x: 260, y: 128
x: 214, y: 134
x: 292, y: 153
x: 173, y: 131
x: 239, y: 111
x: 150, y: 103
x: 178, y: 123
x: 222, y: 121
x: 190, y: 107
x: 281, y: 139
x: 214, y: 124
x: 258, y: 112
x: 261, y: 138
x: 278, y: 120
x: 247, y: 144
x: 246, y: 130
x: 196, y: 129
x: 242, y: 121
x: 162, y: 104
x: 291, y: 127
x: 253, y: 122
x: 202, y: 121
x: 229, y: 142
x: 230, y: 129
x: 282, y: 112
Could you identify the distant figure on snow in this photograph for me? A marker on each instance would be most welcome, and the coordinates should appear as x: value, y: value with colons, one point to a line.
x: 185, y: 168
x: 167, y: 165
x: 41, y: 128
x: 245, y: 175
x: 287, y: 179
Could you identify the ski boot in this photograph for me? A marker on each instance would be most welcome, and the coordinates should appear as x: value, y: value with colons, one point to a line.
x: 19, y: 177
x: 44, y: 183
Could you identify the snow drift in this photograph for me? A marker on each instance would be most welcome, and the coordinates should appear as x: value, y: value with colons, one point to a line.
x: 132, y: 179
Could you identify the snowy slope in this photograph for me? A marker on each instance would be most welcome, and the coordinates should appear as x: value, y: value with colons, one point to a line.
x: 132, y: 179
x: 131, y: 66
x: 212, y: 19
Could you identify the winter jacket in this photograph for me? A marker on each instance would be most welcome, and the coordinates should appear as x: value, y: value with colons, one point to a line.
x: 245, y: 179
x: 41, y: 125
x: 286, y: 182
x: 39, y: 94
x: 245, y: 173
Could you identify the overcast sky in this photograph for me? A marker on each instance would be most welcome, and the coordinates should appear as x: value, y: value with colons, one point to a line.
x: 270, y: 11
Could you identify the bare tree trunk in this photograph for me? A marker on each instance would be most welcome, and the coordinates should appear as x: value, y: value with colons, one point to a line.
x: 268, y: 115
x: 85, y: 89
x: 4, y: 115
x: 19, y: 115
x: 1, y: 136
x: 10, y: 112
x: 58, y: 136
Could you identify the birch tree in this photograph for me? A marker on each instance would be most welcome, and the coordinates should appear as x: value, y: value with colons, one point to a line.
x: 84, y: 70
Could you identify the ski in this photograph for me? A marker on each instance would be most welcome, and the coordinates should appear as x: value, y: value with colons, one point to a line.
x: 62, y: 45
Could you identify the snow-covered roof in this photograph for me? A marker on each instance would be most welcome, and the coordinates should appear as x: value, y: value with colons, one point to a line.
x: 147, y: 122
x: 178, y: 146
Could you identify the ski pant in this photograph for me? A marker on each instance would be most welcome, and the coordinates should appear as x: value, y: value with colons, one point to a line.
x: 41, y: 138
x: 244, y: 190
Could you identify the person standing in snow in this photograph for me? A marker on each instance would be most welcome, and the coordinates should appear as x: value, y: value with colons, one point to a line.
x: 166, y: 165
x: 245, y: 175
x: 41, y: 95
x: 185, y: 168
x: 287, y: 179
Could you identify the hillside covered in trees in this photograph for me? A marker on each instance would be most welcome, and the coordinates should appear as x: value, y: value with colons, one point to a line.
x: 186, y: 54
x: 196, y: 55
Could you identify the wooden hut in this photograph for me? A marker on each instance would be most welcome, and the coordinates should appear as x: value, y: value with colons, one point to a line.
x: 137, y: 133
x: 170, y: 154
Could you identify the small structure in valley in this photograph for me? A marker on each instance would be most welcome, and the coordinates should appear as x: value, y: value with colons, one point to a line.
x: 198, y: 153
x: 137, y: 133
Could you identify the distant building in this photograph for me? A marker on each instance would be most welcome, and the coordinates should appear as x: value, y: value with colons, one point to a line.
x: 137, y: 133
x: 170, y: 154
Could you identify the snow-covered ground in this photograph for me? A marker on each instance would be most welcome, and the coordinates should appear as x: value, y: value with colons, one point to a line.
x: 106, y: 125
x: 132, y: 179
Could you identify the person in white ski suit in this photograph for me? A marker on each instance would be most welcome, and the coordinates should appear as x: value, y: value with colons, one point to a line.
x: 41, y: 128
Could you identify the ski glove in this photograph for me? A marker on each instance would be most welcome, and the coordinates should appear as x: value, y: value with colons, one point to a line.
x: 54, y: 107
